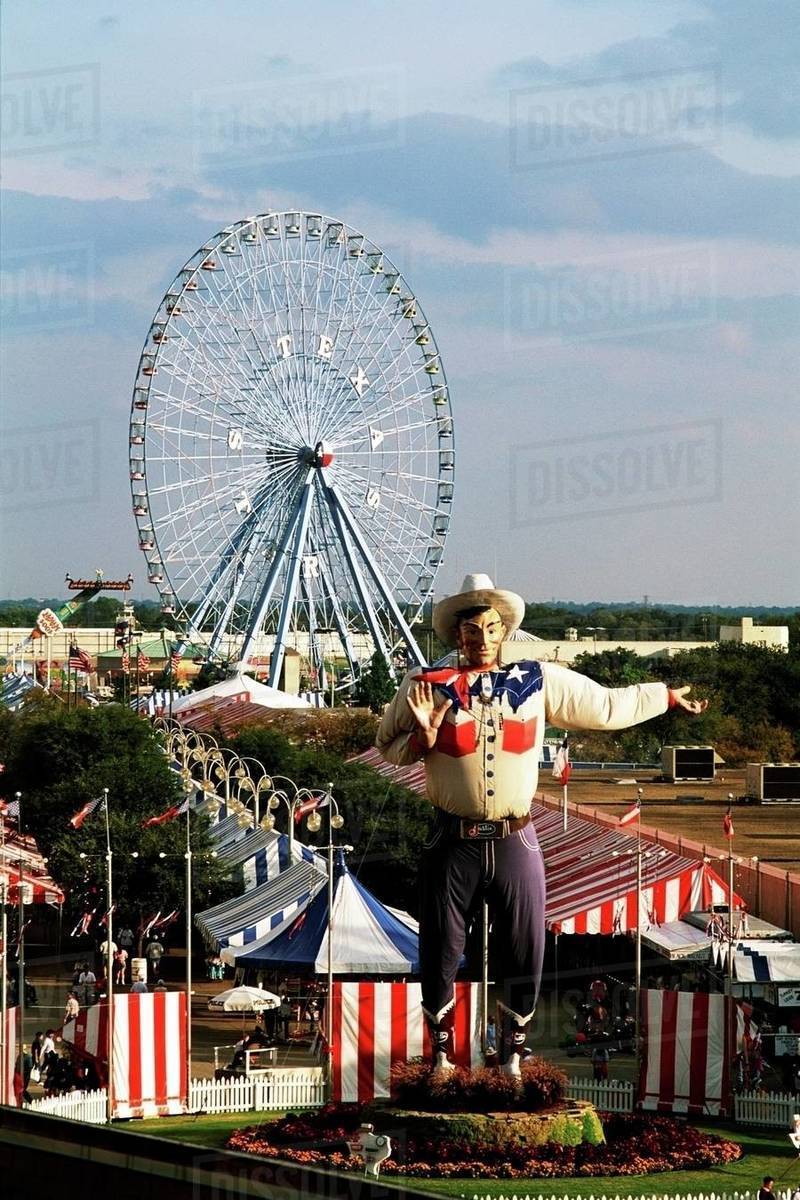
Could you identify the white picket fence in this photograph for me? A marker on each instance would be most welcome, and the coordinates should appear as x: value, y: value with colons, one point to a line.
x: 609, y: 1095
x: 76, y: 1106
x: 278, y: 1090
x: 765, y: 1108
x: 779, y: 1194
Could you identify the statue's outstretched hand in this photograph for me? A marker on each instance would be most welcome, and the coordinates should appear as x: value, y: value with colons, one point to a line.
x: 678, y: 696
x: 427, y: 714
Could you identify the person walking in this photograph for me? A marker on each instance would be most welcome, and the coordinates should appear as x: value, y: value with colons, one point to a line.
x: 765, y: 1192
x: 120, y: 966
x: 478, y: 727
x: 71, y: 1008
x: 86, y: 986
x: 153, y: 954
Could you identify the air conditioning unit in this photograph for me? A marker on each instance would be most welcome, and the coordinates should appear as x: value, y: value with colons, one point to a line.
x: 688, y: 762
x: 773, y: 783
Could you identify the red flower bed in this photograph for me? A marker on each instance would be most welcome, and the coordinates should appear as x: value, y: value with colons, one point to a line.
x: 637, y: 1144
x: 416, y: 1085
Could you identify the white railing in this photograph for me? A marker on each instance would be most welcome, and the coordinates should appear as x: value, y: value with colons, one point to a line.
x: 765, y: 1108
x: 276, y: 1089
x: 779, y: 1193
x: 609, y: 1095
x: 76, y: 1106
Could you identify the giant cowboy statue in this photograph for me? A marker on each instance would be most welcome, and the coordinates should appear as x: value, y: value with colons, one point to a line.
x: 479, y: 728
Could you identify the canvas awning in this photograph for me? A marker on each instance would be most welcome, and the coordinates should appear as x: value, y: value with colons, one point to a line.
x: 591, y: 869
x: 248, y: 917
x: 678, y: 939
x: 761, y: 962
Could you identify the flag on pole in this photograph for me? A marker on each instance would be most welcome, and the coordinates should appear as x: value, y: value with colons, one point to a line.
x: 176, y: 810
x: 126, y: 662
x: 10, y: 809
x: 727, y: 823
x: 79, y: 660
x: 150, y: 925
x: 177, y: 651
x: 633, y: 814
x: 83, y: 924
x: 310, y: 805
x: 561, y: 763
x: 85, y: 812
x: 166, y: 921
x: 144, y: 662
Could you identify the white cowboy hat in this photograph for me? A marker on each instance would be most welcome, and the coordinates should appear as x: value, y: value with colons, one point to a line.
x: 477, y: 591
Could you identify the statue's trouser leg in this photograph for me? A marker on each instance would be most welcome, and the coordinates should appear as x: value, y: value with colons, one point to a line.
x: 452, y: 875
x: 517, y: 895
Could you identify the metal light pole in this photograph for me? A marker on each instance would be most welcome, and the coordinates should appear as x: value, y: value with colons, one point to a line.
x: 188, y: 946
x: 638, y: 1022
x: 109, y: 967
x: 4, y: 1051
x: 21, y: 936
x: 335, y: 821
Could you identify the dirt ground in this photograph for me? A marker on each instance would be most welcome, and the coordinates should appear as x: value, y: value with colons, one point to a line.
x: 770, y: 831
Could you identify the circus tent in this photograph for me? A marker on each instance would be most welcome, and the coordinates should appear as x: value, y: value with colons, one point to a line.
x: 368, y: 939
x: 591, y: 869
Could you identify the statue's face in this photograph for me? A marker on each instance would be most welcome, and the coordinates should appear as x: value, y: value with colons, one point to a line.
x: 480, y: 637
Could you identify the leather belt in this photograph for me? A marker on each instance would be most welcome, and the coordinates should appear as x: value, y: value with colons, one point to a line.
x: 478, y: 831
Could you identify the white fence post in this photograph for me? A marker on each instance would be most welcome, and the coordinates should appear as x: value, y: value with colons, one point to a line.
x: 765, y: 1108
x: 75, y: 1106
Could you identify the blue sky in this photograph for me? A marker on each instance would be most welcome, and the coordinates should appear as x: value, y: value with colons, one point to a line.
x: 596, y: 204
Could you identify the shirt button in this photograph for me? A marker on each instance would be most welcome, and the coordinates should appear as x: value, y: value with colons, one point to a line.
x: 489, y: 774
x: 489, y: 792
x: 490, y: 756
x: 491, y: 738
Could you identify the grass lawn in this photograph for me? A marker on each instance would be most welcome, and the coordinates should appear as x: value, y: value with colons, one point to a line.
x: 766, y: 1153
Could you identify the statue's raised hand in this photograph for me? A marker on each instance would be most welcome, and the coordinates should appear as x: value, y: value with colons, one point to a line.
x: 426, y: 712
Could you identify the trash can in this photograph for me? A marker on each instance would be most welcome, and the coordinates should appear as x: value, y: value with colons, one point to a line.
x: 138, y: 970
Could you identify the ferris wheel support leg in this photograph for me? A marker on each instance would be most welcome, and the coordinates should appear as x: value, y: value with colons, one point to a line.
x: 341, y: 624
x: 264, y: 598
x: 287, y: 604
x: 347, y: 518
x: 358, y: 578
x: 243, y: 535
x: 222, y: 622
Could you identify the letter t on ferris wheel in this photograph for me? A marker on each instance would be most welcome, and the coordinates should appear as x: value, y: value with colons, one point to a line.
x: 291, y: 445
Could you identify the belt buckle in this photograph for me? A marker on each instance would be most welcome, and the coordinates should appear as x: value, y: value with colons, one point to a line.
x: 481, y: 830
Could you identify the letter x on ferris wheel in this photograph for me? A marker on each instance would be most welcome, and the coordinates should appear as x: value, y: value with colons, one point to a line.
x: 291, y: 444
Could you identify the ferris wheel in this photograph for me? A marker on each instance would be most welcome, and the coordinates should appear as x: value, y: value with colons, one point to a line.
x: 291, y: 444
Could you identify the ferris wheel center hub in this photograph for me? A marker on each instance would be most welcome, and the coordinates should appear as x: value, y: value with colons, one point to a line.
x: 317, y: 456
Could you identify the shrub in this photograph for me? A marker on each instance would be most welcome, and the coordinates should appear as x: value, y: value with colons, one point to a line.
x: 414, y: 1085
x: 566, y: 1130
x: 593, y: 1133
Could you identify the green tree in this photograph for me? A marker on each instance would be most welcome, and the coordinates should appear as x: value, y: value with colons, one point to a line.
x: 376, y: 685
x: 59, y: 760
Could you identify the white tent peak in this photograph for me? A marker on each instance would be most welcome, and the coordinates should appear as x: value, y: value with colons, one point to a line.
x: 249, y: 689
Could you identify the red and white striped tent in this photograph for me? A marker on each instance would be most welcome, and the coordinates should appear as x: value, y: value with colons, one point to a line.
x: 149, y: 1051
x: 686, y: 1053
x: 377, y: 1024
x: 20, y: 858
x: 591, y: 870
x: 8, y: 1057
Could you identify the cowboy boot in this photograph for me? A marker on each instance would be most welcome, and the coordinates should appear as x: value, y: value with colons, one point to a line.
x: 442, y: 1041
x: 512, y: 1042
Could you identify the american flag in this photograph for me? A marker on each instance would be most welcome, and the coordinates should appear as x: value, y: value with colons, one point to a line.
x: 9, y: 808
x: 177, y: 810
x: 85, y: 812
x: 632, y: 814
x: 309, y: 806
x: 143, y: 662
x: 176, y: 653
x: 126, y: 662
x: 79, y: 660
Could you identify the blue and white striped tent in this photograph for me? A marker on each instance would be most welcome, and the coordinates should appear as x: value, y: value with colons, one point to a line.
x: 368, y: 939
x: 261, y: 910
x: 14, y: 690
x: 262, y: 854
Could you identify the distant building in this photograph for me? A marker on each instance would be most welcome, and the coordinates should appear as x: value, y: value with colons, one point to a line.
x: 775, y: 636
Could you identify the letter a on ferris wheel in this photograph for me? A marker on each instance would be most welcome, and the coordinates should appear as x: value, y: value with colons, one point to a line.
x: 291, y: 445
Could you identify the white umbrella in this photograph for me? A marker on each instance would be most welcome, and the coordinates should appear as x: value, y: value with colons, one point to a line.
x: 244, y: 1000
